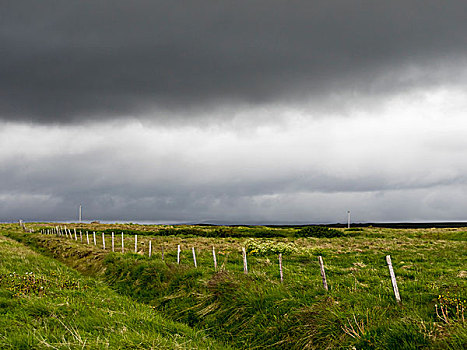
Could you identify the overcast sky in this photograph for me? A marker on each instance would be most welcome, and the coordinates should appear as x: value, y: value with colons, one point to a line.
x: 233, y: 111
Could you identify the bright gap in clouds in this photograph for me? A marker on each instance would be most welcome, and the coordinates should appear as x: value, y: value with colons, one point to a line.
x: 401, y: 161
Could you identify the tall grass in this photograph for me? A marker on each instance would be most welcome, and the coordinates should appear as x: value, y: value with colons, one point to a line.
x: 44, y: 304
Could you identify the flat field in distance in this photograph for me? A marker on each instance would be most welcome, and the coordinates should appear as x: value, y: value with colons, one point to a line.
x: 257, y: 310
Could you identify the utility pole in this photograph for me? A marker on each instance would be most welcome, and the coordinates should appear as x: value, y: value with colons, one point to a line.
x: 79, y: 214
x: 348, y: 218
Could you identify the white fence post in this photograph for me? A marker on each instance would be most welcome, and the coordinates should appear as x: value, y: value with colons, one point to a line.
x: 393, y: 279
x: 323, y: 273
x: 150, y: 248
x: 280, y: 267
x: 194, y: 257
x: 113, y: 242
x: 245, y: 264
x: 136, y: 243
x: 178, y: 254
x: 214, y: 258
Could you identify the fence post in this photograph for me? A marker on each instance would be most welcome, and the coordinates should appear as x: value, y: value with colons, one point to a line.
x: 214, y: 258
x: 194, y: 257
x: 113, y: 242
x: 103, y: 241
x: 162, y: 253
x: 393, y: 279
x: 280, y: 267
x: 94, y: 237
x: 87, y: 237
x: 81, y: 236
x: 150, y: 248
x: 323, y: 273
x: 136, y: 243
x: 76, y: 237
x: 245, y: 264
x: 178, y: 254
x: 123, y: 247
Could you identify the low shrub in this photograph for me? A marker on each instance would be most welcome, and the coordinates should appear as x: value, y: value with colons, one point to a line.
x: 319, y: 232
x: 262, y: 248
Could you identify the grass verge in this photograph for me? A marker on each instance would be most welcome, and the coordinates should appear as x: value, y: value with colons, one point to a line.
x: 45, y: 304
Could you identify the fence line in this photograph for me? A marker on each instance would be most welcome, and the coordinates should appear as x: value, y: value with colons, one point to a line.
x: 64, y: 231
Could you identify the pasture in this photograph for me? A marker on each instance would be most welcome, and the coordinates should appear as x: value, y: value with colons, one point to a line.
x: 258, y: 310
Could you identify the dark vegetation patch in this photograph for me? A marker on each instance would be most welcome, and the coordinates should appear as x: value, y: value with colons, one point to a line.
x: 319, y: 232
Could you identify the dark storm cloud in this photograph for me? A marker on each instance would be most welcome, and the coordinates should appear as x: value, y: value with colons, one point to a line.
x: 86, y: 60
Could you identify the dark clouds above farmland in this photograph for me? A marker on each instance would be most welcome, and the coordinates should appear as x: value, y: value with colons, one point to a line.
x: 90, y: 60
x: 239, y: 111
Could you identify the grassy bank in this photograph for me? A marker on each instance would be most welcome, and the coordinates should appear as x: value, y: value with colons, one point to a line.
x: 45, y: 304
x: 257, y: 310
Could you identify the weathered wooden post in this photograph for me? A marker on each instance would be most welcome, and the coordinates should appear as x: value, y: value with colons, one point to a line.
x: 162, y: 253
x: 76, y: 237
x: 113, y: 242
x: 94, y: 237
x: 136, y: 243
x: 323, y: 273
x: 103, y: 241
x: 393, y: 279
x: 178, y: 254
x: 214, y: 258
x: 81, y: 236
x: 280, y: 267
x: 150, y: 248
x: 194, y: 256
x: 87, y: 237
x: 123, y: 245
x: 245, y: 264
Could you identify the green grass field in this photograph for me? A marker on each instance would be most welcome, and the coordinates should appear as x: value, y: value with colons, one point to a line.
x: 257, y: 310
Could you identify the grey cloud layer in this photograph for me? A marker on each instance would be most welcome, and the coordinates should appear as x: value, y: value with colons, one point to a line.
x: 133, y: 173
x: 72, y: 61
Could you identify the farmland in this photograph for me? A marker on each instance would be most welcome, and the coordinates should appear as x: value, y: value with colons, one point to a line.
x: 257, y: 310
